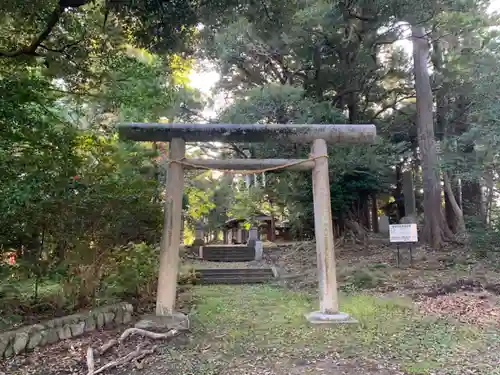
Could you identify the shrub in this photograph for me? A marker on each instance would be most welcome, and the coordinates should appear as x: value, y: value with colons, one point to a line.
x: 364, y: 279
x: 133, y: 271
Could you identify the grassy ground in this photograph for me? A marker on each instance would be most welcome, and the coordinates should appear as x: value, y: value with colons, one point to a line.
x: 241, y: 323
x: 261, y: 329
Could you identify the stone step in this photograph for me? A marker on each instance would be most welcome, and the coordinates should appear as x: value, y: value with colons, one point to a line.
x: 207, y: 272
x: 227, y: 247
x: 228, y: 253
x: 229, y: 258
x: 234, y: 281
x: 234, y: 275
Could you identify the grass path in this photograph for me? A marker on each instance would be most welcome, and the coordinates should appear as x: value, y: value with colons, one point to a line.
x: 238, y: 324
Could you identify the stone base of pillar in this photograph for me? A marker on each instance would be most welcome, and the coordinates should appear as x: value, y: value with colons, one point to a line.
x: 155, y: 323
x: 318, y: 317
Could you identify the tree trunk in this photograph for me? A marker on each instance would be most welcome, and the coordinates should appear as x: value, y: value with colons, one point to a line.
x: 471, y: 198
x: 365, y: 211
x: 398, y: 193
x: 374, y: 213
x: 449, y: 210
x: 457, y: 225
x: 453, y: 213
x: 272, y: 229
x: 435, y: 230
x: 488, y: 197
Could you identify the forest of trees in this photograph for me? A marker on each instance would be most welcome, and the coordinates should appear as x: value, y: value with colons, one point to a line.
x: 71, y: 193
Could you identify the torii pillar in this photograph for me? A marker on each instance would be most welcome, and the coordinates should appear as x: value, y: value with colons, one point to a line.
x: 317, y: 135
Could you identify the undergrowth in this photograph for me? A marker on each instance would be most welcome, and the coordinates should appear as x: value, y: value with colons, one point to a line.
x: 129, y: 273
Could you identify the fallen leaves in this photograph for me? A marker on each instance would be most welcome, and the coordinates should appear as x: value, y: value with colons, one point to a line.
x: 478, y: 308
x: 94, y: 352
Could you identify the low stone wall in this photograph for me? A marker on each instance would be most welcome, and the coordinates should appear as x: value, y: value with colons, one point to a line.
x: 49, y: 332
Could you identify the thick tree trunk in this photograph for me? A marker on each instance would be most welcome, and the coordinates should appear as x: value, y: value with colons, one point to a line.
x: 453, y: 213
x: 435, y: 230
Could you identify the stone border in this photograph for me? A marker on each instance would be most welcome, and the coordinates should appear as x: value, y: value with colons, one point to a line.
x: 29, y: 337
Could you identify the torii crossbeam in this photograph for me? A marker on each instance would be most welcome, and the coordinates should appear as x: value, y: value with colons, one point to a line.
x: 318, y: 135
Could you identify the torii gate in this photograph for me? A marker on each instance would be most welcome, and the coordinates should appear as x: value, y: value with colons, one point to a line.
x: 318, y: 135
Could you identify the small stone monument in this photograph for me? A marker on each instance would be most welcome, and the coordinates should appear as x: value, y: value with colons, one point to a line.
x: 253, y: 241
x: 198, y: 235
x: 383, y: 224
x: 198, y: 242
x: 253, y: 236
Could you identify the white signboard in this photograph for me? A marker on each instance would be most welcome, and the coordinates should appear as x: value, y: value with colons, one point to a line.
x: 403, y: 233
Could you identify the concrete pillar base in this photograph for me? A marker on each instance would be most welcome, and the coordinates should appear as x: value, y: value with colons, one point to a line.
x: 155, y: 323
x: 318, y: 317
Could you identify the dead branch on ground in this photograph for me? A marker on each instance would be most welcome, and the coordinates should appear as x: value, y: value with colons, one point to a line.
x: 105, y: 347
x: 139, y: 353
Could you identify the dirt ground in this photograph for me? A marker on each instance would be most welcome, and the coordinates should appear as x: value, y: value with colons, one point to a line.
x: 266, y: 334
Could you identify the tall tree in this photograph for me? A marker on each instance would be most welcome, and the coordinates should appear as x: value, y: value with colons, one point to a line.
x: 435, y: 229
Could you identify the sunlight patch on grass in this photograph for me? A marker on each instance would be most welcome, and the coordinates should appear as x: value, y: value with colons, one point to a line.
x: 265, y: 319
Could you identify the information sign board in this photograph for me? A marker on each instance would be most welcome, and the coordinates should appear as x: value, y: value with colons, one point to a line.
x: 403, y: 233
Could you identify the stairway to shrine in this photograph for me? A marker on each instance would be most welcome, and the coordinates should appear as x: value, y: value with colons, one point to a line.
x: 231, y: 264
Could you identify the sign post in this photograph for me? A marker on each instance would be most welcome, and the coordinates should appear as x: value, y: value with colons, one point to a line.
x: 403, y: 233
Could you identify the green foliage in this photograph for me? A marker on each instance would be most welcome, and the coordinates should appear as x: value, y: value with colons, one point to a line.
x: 37, y: 156
x: 134, y: 271
x: 355, y: 172
x: 281, y: 104
x: 248, y: 203
x: 187, y: 276
x: 108, y: 205
x: 199, y: 198
x: 82, y: 28
x: 71, y: 194
x: 483, y: 239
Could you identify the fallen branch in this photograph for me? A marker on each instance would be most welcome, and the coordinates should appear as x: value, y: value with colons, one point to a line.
x: 105, y: 347
x: 152, y: 335
x: 90, y: 360
x: 143, y: 354
x: 139, y: 352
